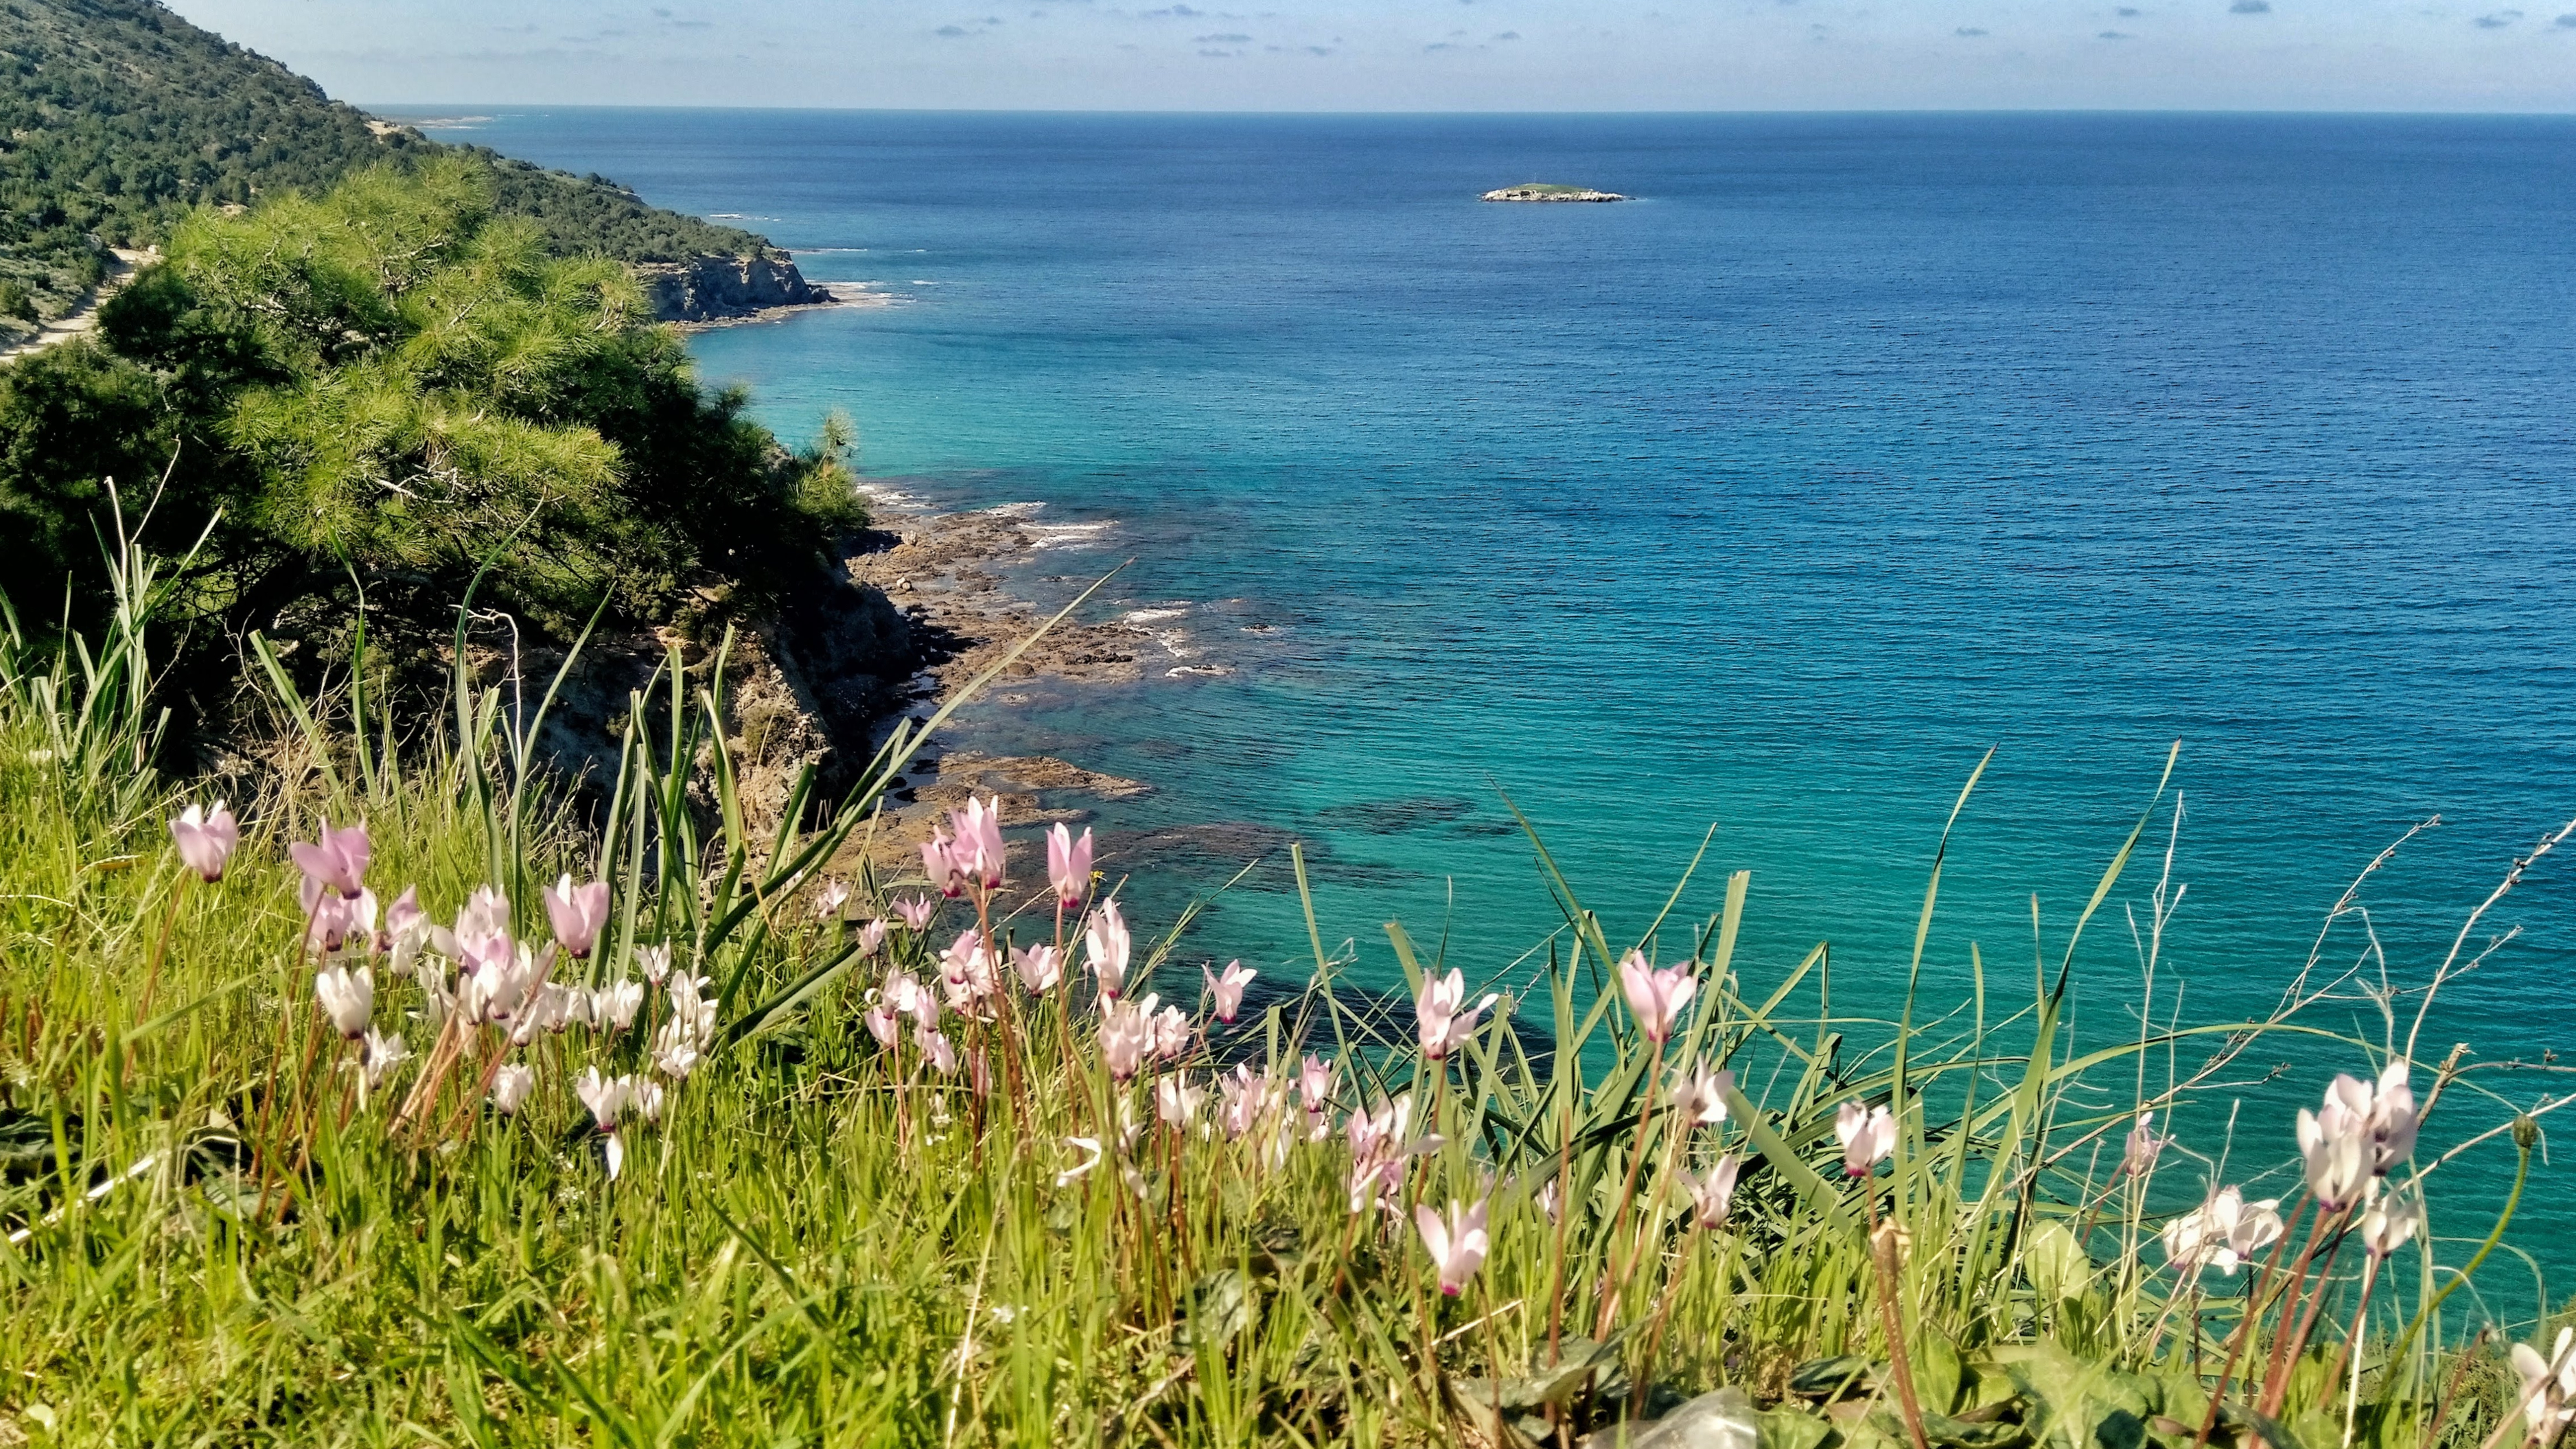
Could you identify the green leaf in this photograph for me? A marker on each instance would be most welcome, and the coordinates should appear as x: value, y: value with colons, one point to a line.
x: 1789, y: 1429
x: 2056, y: 1264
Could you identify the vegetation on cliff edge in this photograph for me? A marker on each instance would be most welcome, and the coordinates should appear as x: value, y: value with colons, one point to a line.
x: 118, y: 117
x: 394, y: 383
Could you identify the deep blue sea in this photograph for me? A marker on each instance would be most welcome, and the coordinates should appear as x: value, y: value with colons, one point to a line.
x: 1854, y: 446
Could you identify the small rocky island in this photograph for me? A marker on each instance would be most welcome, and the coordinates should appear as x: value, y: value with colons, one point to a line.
x: 1544, y: 191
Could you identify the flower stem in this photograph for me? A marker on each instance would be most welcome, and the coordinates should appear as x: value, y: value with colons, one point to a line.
x: 1628, y: 1192
x: 1884, y: 1246
x: 169, y: 918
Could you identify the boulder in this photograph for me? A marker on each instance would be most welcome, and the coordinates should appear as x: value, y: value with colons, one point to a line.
x: 1720, y: 1420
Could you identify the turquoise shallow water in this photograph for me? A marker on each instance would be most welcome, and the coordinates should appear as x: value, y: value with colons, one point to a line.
x: 1770, y: 500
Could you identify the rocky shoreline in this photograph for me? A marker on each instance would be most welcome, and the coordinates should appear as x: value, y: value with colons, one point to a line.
x: 923, y: 606
x: 944, y: 572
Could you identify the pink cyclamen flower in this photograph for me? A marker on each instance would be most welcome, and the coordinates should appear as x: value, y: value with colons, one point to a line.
x: 1711, y: 1194
x: 1176, y: 1102
x: 966, y: 969
x: 326, y: 916
x: 1069, y: 866
x: 1456, y: 1246
x: 1126, y: 1035
x: 905, y: 996
x: 578, y: 913
x: 1868, y: 1136
x: 358, y: 917
x: 606, y: 1097
x: 872, y: 937
x: 2138, y: 1154
x: 510, y: 1087
x: 380, y: 1056
x: 1171, y: 1033
x: 1315, y: 1083
x: 654, y: 962
x: 2548, y: 1387
x: 407, y: 929
x: 1228, y: 988
x: 1656, y: 998
x: 486, y: 913
x: 2386, y: 1110
x: 560, y: 1006
x: 915, y: 912
x: 1246, y: 1099
x: 613, y: 1008
x: 936, y: 1046
x: 884, y: 1025
x: 1039, y: 967
x: 206, y: 838
x: 405, y: 917
x: 1105, y: 948
x: 978, y: 852
x: 940, y: 864
x: 2390, y: 1221
x: 338, y: 861
x: 2336, y: 1146
x: 675, y: 1053
x: 1699, y: 1095
x: 2222, y: 1232
x: 1379, y: 1150
x: 348, y: 998
x: 829, y: 900
x: 1443, y: 1026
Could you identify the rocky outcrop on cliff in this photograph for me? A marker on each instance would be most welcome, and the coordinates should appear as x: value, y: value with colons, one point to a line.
x: 813, y: 685
x: 720, y: 288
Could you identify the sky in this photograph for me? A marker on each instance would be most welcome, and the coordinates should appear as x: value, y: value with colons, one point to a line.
x: 1426, y: 55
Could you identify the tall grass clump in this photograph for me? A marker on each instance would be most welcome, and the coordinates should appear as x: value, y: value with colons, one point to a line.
x: 404, y: 1098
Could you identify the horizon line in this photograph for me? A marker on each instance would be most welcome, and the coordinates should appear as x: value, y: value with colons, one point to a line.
x: 2317, y: 111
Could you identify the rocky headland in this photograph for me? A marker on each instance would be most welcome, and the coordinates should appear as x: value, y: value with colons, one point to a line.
x: 715, y: 289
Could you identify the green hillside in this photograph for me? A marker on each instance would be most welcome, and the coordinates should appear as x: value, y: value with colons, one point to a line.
x: 117, y: 117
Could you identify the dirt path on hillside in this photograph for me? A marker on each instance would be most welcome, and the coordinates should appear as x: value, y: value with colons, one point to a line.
x: 83, y: 318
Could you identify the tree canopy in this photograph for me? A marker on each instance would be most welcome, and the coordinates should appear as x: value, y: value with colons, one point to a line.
x: 394, y: 381
x: 118, y: 118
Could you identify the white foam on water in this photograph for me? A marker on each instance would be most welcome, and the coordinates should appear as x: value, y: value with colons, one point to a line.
x: 890, y: 497
x: 1148, y: 616
x: 1069, y: 535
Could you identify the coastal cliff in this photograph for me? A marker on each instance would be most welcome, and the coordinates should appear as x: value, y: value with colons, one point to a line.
x: 722, y: 288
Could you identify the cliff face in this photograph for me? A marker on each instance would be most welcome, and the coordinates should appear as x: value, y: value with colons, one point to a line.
x: 713, y: 288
